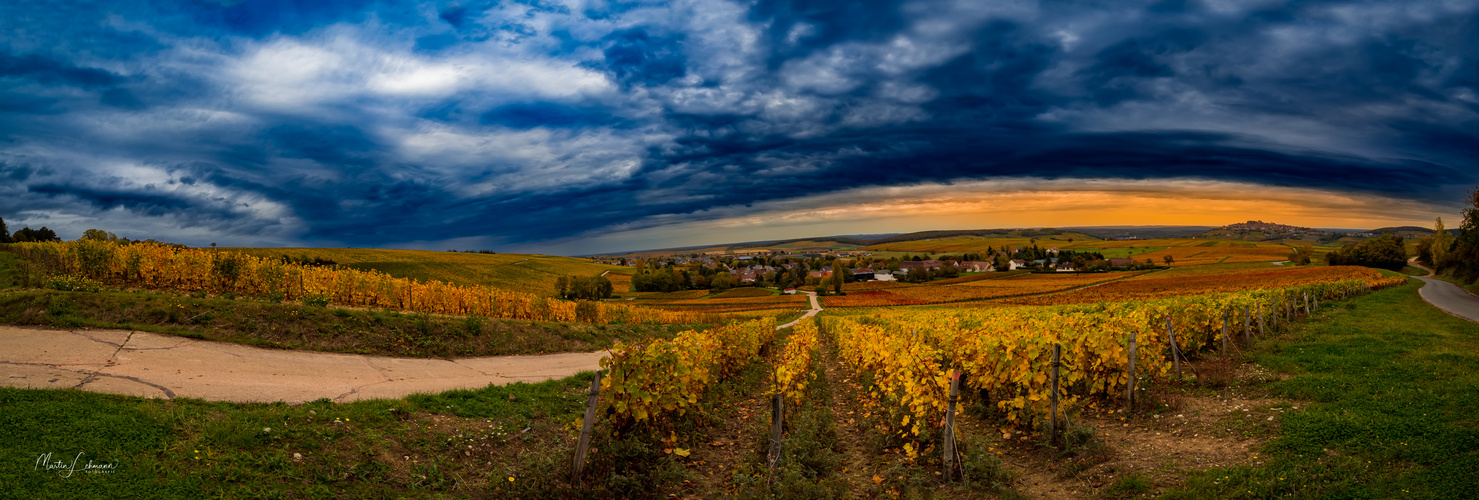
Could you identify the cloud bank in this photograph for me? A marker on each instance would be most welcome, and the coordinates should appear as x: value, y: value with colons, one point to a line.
x: 547, y: 126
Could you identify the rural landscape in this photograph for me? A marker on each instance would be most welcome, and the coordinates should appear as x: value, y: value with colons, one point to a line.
x: 1240, y: 362
x: 739, y: 249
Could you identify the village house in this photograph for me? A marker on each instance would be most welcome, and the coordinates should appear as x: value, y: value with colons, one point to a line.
x: 1017, y: 264
x: 883, y: 275
x: 863, y: 274
x: 976, y: 266
x: 1066, y: 267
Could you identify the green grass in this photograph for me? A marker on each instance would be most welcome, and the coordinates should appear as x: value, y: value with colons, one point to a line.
x: 1414, y: 271
x: 1387, y: 389
x: 447, y: 444
x: 1121, y: 252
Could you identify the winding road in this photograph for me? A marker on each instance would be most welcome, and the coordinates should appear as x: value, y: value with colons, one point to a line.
x: 1447, y: 296
x: 164, y: 366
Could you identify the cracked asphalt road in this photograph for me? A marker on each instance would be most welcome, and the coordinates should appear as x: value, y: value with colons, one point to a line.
x: 162, y: 366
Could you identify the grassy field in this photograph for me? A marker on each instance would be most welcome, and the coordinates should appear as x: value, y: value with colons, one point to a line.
x: 1387, y: 387
x: 456, y: 443
x: 526, y: 273
x: 960, y: 244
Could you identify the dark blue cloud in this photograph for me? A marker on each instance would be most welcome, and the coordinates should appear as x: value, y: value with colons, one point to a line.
x: 377, y: 122
x: 635, y: 57
x: 545, y: 114
x: 266, y: 17
x: 47, y: 70
x: 142, y: 202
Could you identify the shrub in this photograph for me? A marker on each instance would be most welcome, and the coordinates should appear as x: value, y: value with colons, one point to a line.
x: 1383, y: 252
x: 71, y: 283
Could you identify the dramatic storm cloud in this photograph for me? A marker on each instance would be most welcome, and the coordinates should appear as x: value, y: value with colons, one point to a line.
x: 559, y: 126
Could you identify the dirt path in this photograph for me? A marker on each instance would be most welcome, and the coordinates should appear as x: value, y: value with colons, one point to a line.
x: 161, y: 366
x: 816, y: 307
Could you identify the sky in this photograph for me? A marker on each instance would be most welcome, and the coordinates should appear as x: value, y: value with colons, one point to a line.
x: 577, y: 127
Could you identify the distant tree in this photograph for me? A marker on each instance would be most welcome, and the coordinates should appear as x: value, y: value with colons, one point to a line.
x: 1384, y: 252
x: 1462, y: 260
x: 949, y: 270
x: 1169, y: 259
x: 583, y: 287
x: 1301, y: 255
x: 1441, y: 242
x: 1424, y: 249
x: 721, y: 281
x: 4, y: 232
x: 918, y: 275
x: 28, y: 234
x: 101, y: 235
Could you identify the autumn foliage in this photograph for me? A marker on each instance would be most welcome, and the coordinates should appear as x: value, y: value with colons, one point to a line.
x: 164, y: 267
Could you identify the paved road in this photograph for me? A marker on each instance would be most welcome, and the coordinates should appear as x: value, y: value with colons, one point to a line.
x: 161, y: 366
x: 816, y: 307
x: 1448, y: 296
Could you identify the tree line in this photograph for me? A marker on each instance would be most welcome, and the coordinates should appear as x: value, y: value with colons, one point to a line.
x: 1455, y: 255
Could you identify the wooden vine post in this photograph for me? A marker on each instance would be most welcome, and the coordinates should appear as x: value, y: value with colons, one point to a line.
x: 1225, y: 313
x: 585, y: 426
x: 1274, y: 312
x: 1053, y: 422
x: 1130, y: 383
x: 1247, y: 328
x: 949, y: 432
x: 1261, y: 331
x: 777, y: 416
x: 1175, y: 351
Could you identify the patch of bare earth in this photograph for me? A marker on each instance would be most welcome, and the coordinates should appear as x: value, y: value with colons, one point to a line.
x: 1180, y: 430
x: 859, y: 468
x: 728, y: 443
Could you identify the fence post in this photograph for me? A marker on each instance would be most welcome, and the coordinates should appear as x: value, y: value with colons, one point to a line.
x: 949, y: 437
x: 1274, y: 313
x: 585, y: 426
x: 1247, y: 327
x: 1224, y: 331
x: 777, y: 415
x: 1130, y: 391
x: 1053, y: 423
x: 1261, y: 331
x: 1175, y: 351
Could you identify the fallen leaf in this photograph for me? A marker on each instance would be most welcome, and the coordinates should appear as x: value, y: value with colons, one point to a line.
x: 877, y: 479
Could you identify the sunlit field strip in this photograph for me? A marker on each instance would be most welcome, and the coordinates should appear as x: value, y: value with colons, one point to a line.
x: 1157, y: 286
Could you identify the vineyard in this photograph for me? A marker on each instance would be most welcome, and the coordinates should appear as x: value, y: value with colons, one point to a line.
x: 716, y: 305
x: 983, y: 289
x: 1004, y: 353
x: 665, y: 378
x: 161, y: 267
x: 1179, y: 282
x: 523, y: 272
x: 1199, y: 255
